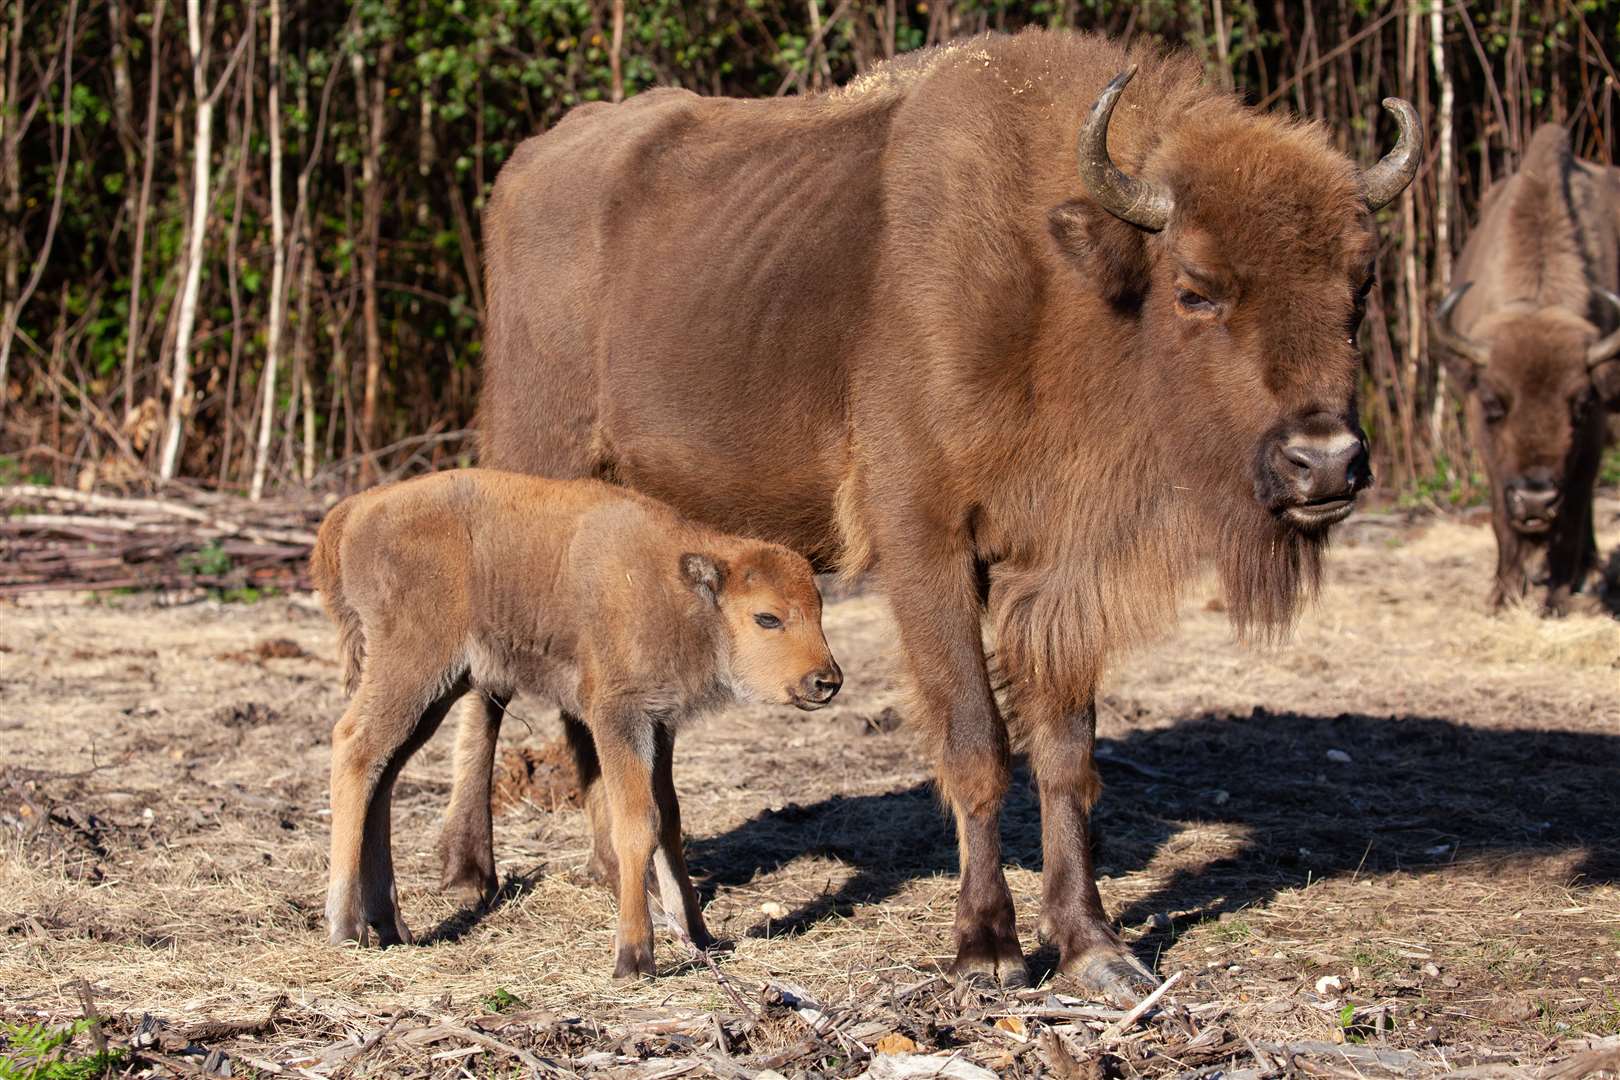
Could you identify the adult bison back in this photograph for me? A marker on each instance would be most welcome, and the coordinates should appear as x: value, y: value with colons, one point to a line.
x: 677, y: 286
x: 1034, y: 347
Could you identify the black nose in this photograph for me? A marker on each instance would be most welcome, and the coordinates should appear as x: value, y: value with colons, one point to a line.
x: 821, y: 686
x: 1325, y: 467
x: 1532, y: 499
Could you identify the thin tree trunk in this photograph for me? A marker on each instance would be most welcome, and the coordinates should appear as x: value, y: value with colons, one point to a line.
x: 11, y: 132
x: 306, y: 275
x: 1443, y: 180
x: 123, y: 105
x: 369, y: 97
x: 1411, y: 290
x: 15, y: 302
x: 202, y: 145
x: 244, y: 149
x: 1221, y: 45
x: 143, y: 208
x: 615, y: 57
x: 198, y: 32
x: 278, y: 260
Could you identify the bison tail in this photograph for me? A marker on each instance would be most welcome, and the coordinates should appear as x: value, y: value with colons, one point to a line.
x: 326, y: 570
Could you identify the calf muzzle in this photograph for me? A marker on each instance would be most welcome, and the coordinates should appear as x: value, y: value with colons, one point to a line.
x: 819, y: 687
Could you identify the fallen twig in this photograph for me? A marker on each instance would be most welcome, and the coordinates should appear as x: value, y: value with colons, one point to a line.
x: 1143, y: 1007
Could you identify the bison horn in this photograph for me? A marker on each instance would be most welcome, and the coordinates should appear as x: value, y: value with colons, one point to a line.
x: 1395, y: 170
x: 1608, y: 347
x: 1446, y: 336
x: 1142, y: 204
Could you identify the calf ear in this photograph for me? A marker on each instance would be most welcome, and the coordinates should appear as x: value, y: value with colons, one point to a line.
x: 1109, y: 253
x: 1606, y: 378
x: 704, y: 574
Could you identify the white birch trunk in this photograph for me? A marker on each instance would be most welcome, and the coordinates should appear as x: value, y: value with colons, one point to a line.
x: 278, y: 264
x: 1442, y: 191
x: 180, y: 400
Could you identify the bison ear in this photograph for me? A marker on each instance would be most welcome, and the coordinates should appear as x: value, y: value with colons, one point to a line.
x: 1606, y: 378
x: 1111, y: 254
x: 1464, y: 370
x: 705, y: 575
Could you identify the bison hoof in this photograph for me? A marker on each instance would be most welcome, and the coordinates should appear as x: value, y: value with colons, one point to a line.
x: 634, y: 962
x: 990, y: 966
x: 1113, y: 974
x: 470, y: 886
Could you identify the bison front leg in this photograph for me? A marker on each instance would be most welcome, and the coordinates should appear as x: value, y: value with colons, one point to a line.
x: 1511, y: 580
x: 937, y: 607
x: 1072, y: 916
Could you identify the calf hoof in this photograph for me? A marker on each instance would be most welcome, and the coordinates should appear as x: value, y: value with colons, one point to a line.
x: 343, y: 920
x: 1112, y: 973
x: 346, y: 931
x: 392, y: 931
x: 635, y: 962
x: 988, y: 962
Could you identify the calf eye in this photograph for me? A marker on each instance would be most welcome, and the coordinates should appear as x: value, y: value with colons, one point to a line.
x: 1194, y: 302
x: 1493, y: 408
x: 768, y: 621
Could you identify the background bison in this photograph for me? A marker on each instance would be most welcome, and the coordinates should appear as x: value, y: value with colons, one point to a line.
x: 1029, y: 345
x: 1532, y: 327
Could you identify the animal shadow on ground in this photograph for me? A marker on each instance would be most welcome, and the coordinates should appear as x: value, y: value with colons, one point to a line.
x: 1416, y: 793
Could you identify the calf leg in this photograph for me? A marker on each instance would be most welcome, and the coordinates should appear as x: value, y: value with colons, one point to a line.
x: 467, y: 843
x: 1072, y: 916
x: 604, y: 865
x: 392, y: 715
x: 675, y: 892
x: 625, y: 748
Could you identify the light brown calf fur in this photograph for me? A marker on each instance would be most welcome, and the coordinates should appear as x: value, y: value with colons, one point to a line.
x: 600, y: 601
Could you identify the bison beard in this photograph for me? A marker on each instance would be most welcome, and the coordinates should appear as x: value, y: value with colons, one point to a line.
x: 1029, y: 345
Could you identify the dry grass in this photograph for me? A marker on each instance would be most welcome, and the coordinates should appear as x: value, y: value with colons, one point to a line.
x: 163, y: 788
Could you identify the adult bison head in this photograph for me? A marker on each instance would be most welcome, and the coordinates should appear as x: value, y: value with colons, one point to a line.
x: 1246, y: 248
x: 1536, y: 379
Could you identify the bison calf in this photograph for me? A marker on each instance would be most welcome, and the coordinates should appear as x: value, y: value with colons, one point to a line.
x: 598, y: 600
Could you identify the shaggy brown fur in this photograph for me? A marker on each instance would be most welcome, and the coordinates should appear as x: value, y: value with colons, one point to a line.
x: 890, y: 328
x: 593, y: 598
x: 1548, y: 239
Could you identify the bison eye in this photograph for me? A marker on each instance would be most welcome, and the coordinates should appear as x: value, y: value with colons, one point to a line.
x: 1493, y: 407
x: 1194, y: 302
x: 768, y: 621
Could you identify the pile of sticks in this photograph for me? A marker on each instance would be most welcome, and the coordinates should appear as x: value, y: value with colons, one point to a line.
x: 58, y: 538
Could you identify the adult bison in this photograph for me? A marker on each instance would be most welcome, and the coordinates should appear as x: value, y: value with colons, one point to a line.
x: 1028, y: 344
x: 1531, y: 333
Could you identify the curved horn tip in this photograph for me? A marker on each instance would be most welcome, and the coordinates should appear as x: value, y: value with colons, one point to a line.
x: 1605, y: 348
x: 1120, y: 81
x: 1446, y: 336
x: 1396, y: 169
x: 1141, y: 204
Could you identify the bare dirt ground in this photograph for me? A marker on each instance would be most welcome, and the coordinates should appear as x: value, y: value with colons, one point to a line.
x: 1391, y: 846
